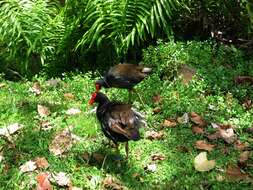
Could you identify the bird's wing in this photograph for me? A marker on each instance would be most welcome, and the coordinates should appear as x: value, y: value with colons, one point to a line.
x: 122, y: 120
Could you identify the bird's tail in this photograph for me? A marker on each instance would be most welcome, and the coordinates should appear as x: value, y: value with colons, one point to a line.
x: 146, y: 70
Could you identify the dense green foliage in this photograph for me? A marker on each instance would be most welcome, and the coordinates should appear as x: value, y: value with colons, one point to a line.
x: 87, y: 34
x: 211, y: 86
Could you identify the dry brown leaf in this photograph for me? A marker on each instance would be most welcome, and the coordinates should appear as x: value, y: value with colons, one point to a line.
x: 41, y: 162
x: 98, y: 157
x: 43, y: 182
x: 36, y: 88
x: 29, y: 166
x: 203, y: 145
x: 184, y: 119
x: 157, y: 110
x: 228, y: 135
x: 45, y: 125
x: 157, y: 98
x: 197, y: 130
x: 202, y: 164
x: 153, y: 135
x: 110, y: 183
x: 234, y: 172
x: 11, y: 129
x: 241, y: 145
x: 68, y: 96
x: 157, y: 157
x: 169, y: 123
x: 43, y: 111
x: 62, y: 179
x: 214, y: 136
x: 197, y: 119
x: 61, y: 143
x: 73, y: 111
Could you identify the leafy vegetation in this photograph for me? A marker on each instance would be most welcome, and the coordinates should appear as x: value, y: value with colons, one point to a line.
x: 167, y: 161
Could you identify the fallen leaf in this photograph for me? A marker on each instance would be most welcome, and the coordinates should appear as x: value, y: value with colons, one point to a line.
x: 157, y: 157
x: 62, y: 179
x: 215, y: 125
x: 244, y: 156
x: 98, y: 157
x: 153, y: 135
x: 203, y: 145
x: 43, y: 182
x: 241, y: 145
x: 157, y: 110
x: 68, y: 96
x: 29, y: 166
x: 11, y: 129
x: 214, y: 136
x: 111, y: 183
x: 197, y: 130
x: 74, y: 188
x: 184, y: 119
x: 36, y: 88
x: 197, y: 119
x: 45, y: 125
x: 61, y: 143
x: 151, y: 167
x: 157, y: 98
x: 234, y: 172
x: 228, y: 135
x: 202, y: 164
x: 73, y: 111
x: 169, y: 123
x: 43, y: 111
x: 41, y: 162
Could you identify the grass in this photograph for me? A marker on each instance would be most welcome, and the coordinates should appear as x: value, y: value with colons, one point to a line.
x: 212, y: 85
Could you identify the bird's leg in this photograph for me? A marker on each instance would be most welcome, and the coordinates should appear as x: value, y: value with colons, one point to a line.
x: 127, y: 149
x: 129, y: 96
x: 139, y: 96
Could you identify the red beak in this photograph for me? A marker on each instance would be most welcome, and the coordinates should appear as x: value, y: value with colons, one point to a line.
x: 91, y: 101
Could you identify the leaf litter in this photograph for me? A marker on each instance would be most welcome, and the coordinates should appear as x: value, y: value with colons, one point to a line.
x: 202, y: 164
x: 43, y: 111
x: 203, y: 145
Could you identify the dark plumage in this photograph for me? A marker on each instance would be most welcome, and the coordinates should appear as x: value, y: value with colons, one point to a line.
x: 119, y: 122
x: 123, y: 76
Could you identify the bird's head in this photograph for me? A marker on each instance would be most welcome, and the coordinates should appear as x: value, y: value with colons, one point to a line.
x: 98, y: 97
x: 99, y: 84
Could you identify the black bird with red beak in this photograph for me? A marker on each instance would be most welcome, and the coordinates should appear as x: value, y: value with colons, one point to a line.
x: 123, y: 76
x: 119, y: 122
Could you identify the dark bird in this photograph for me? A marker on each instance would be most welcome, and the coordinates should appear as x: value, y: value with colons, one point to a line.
x: 119, y: 122
x: 123, y: 76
